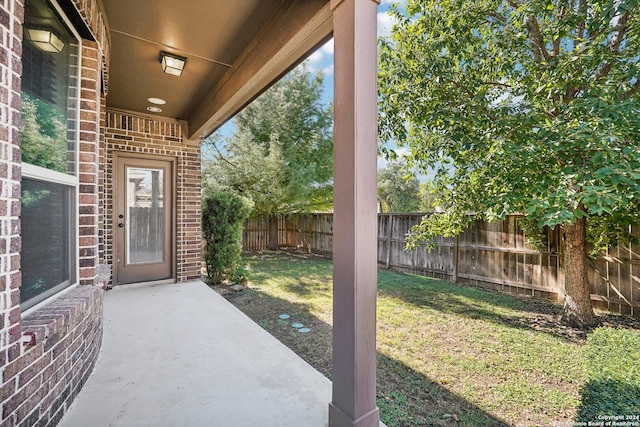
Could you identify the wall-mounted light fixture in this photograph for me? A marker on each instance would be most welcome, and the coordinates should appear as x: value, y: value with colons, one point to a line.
x: 172, y: 64
x: 44, y: 40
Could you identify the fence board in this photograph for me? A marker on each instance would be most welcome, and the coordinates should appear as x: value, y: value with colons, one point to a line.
x: 494, y: 255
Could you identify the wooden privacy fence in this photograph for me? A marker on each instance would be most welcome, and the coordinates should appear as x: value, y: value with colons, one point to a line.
x: 493, y: 255
x: 145, y: 232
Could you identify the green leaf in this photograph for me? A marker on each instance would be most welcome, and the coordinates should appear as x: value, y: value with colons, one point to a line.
x: 553, y: 138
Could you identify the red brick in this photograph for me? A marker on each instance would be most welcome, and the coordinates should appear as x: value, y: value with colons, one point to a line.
x: 7, y: 390
x: 9, y: 422
x: 33, y: 370
x: 31, y: 403
x: 21, y: 396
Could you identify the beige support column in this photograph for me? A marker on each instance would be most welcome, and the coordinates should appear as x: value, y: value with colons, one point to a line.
x: 355, y: 216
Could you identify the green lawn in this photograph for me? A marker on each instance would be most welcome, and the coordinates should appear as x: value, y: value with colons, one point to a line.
x: 447, y: 354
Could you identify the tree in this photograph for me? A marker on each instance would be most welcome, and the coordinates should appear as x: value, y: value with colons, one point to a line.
x: 222, y: 217
x: 281, y: 154
x: 429, y: 198
x: 43, y: 134
x: 398, y: 189
x: 523, y: 106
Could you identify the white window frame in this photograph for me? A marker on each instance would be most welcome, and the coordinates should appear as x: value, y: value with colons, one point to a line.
x: 70, y: 180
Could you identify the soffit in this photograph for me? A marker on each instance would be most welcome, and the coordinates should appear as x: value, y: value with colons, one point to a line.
x: 232, y: 47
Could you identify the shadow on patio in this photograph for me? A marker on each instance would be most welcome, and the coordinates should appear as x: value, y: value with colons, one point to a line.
x: 406, y: 397
x: 180, y: 355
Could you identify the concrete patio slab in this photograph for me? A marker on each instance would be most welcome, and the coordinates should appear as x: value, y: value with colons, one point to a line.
x: 181, y: 355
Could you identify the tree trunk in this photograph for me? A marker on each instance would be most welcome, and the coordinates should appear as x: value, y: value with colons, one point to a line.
x: 577, y: 311
x: 380, y: 206
x: 273, y: 233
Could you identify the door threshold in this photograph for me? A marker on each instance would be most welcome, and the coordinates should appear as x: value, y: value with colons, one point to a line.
x: 143, y: 284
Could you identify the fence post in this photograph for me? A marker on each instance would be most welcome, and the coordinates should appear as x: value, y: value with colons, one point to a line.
x: 245, y: 239
x: 456, y: 257
x: 312, y: 220
x: 389, y: 233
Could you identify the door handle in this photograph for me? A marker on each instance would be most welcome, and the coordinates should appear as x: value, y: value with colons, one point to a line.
x: 120, y: 224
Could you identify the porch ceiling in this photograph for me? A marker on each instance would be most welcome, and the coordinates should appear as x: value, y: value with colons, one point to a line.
x: 234, y: 51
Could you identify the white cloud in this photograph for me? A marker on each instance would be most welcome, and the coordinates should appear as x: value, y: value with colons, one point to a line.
x: 315, y: 59
x: 382, y: 163
x: 402, y: 152
x: 384, y: 4
x: 327, y: 48
x: 319, y: 59
x: 385, y: 22
x: 328, y: 70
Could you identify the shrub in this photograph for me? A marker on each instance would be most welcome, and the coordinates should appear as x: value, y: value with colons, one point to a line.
x: 240, y: 274
x: 222, y: 217
x: 613, y: 375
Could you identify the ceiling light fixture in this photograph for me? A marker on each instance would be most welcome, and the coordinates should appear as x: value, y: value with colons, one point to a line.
x: 154, y: 109
x: 172, y: 64
x: 157, y: 101
x: 44, y: 40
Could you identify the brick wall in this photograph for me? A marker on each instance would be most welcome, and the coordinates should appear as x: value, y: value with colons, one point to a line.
x: 92, y: 13
x: 47, y: 354
x: 11, y: 15
x: 102, y: 210
x: 158, y: 137
x: 61, y: 345
x: 90, y: 101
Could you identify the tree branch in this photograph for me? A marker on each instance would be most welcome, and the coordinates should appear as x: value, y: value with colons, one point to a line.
x: 621, y: 29
x: 535, y: 35
x: 601, y: 30
x: 497, y: 17
x: 579, y: 34
x: 224, y: 159
x: 614, y: 49
x: 634, y: 89
x: 471, y: 95
x: 614, y: 46
x: 571, y: 93
x: 498, y: 84
x: 555, y: 47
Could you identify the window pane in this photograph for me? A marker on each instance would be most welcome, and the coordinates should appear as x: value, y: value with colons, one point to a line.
x: 48, y: 134
x: 145, y: 213
x: 49, y: 90
x: 47, y: 249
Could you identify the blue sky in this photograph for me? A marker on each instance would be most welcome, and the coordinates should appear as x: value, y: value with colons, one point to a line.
x: 322, y: 60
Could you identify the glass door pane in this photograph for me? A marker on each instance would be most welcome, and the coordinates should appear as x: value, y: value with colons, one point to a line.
x: 143, y: 219
x: 145, y: 215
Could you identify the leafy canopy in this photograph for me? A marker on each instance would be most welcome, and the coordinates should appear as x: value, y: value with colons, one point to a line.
x: 43, y: 134
x: 398, y: 189
x: 281, y: 154
x: 525, y: 106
